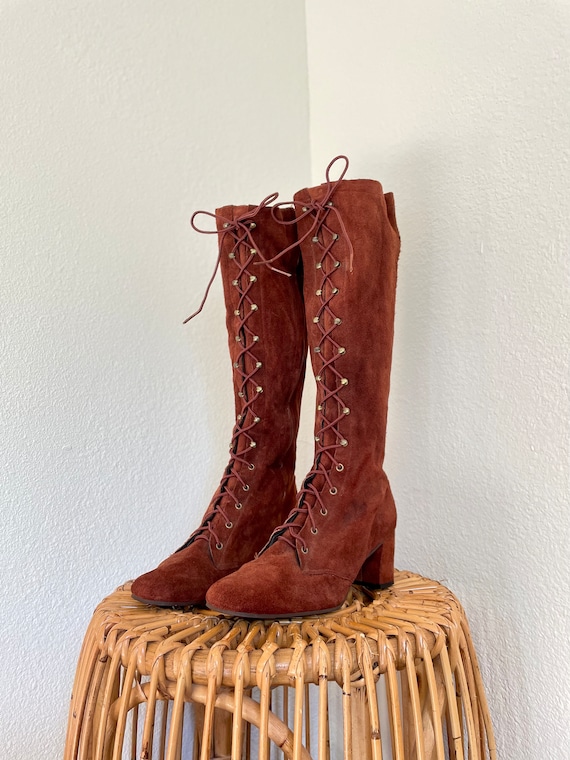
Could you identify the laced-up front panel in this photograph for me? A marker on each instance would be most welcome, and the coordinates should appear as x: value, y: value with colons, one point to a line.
x: 323, y: 481
x: 237, y: 243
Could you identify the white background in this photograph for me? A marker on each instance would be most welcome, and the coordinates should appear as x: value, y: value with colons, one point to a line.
x: 118, y: 119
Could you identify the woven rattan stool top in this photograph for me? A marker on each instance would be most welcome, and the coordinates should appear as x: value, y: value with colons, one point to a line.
x: 413, y: 638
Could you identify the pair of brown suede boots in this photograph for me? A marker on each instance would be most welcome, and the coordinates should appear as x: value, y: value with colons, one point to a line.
x: 319, y: 274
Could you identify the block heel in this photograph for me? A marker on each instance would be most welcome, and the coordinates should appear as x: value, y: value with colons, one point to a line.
x: 378, y: 569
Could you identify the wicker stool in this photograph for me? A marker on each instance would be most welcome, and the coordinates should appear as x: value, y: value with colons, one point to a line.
x: 392, y: 674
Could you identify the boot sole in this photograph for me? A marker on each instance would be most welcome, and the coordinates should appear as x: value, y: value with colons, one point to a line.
x: 252, y: 616
x: 271, y: 616
x: 290, y: 615
x: 378, y: 586
x: 155, y: 603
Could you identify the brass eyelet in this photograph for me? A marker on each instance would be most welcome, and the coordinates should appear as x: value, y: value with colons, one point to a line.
x: 239, y: 505
x: 333, y: 491
x: 314, y: 531
x: 245, y: 488
x: 219, y: 546
x: 324, y: 512
x: 229, y: 525
x: 339, y: 467
x: 251, y: 466
x: 305, y: 549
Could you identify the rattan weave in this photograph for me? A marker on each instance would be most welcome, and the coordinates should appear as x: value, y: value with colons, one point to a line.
x: 392, y: 674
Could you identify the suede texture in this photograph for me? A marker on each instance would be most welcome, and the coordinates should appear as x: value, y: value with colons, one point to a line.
x: 348, y: 534
x: 268, y: 361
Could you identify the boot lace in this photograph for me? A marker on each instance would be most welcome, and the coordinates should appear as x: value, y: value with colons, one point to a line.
x: 331, y: 409
x: 243, y: 254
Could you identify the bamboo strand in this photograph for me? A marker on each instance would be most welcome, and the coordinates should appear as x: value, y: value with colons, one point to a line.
x: 433, y: 729
x: 370, y: 685
x: 394, y: 712
x: 415, y: 708
x: 480, y: 690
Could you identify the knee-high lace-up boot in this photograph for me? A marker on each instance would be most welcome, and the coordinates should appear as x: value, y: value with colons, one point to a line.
x: 267, y: 338
x: 342, y: 527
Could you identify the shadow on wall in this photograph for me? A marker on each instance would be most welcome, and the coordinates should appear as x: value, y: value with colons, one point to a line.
x: 478, y: 419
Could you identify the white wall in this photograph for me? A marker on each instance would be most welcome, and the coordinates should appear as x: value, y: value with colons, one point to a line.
x: 462, y: 110
x: 119, y: 118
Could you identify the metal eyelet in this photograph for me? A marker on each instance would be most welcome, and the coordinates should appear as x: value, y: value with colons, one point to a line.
x: 258, y: 364
x: 231, y: 255
x: 240, y: 394
x: 342, y: 350
x: 338, y: 321
x: 229, y: 525
x: 226, y: 225
x: 339, y: 467
x: 257, y: 419
x: 319, y: 266
x: 236, y: 365
x: 335, y: 235
x: 252, y: 226
x: 320, y: 407
x: 252, y: 444
x: 343, y: 442
x: 333, y: 491
x: 305, y: 208
x: 317, y: 349
x: 305, y: 549
x: 330, y: 203
x: 245, y: 488
x: 315, y: 239
x: 252, y: 251
x: 238, y: 339
x: 238, y: 505
x: 314, y: 531
x: 346, y: 410
x: 251, y: 466
x: 252, y: 278
x: 335, y: 291
x: 316, y: 319
x: 344, y: 381
x: 318, y: 292
x: 324, y: 512
x: 254, y: 307
x: 317, y: 438
x: 318, y: 378
x: 337, y: 264
x: 235, y: 283
x: 219, y: 546
x: 236, y: 313
x: 259, y: 389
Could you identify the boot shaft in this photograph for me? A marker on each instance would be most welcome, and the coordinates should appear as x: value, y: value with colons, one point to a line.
x: 268, y: 345
x: 350, y: 247
x: 265, y: 322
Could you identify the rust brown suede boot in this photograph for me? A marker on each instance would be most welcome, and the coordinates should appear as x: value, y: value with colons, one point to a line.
x: 265, y: 318
x: 342, y: 528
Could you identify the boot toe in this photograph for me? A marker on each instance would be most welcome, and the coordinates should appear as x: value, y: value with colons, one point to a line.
x: 180, y: 581
x: 276, y: 587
